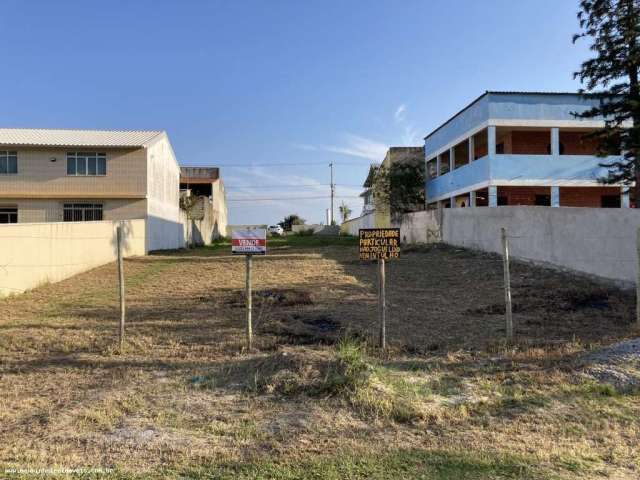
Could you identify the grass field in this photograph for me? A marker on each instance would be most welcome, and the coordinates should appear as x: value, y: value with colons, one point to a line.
x: 315, y: 399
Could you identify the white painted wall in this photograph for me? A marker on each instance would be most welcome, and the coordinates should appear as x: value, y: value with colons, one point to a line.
x: 597, y: 241
x: 164, y: 226
x: 32, y: 254
x: 419, y: 227
x: 351, y: 227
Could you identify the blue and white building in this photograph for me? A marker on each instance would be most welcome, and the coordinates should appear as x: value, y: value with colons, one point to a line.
x: 519, y: 148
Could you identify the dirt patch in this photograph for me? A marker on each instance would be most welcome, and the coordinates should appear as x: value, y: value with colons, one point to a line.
x: 571, y: 300
x: 282, y: 297
x: 304, y: 328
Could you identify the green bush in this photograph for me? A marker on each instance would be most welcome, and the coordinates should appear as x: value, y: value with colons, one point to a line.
x: 307, y: 232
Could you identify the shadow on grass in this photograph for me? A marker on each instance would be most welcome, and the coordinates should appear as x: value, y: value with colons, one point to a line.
x: 442, y: 298
x: 401, y: 464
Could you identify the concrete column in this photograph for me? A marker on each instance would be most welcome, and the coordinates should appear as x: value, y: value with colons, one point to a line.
x: 471, y: 149
x: 555, y: 196
x: 624, y: 197
x: 452, y: 200
x: 555, y: 141
x: 493, y: 196
x: 452, y: 159
x: 491, y: 140
x: 438, y: 165
x: 472, y: 199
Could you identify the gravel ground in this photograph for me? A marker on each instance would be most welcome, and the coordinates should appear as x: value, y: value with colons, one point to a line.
x: 618, y: 365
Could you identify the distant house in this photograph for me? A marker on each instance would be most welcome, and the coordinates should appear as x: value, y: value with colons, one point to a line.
x: 207, y: 220
x: 520, y: 148
x: 383, y: 212
x: 91, y: 175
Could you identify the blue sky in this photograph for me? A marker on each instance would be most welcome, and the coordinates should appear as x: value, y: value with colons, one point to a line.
x: 299, y: 83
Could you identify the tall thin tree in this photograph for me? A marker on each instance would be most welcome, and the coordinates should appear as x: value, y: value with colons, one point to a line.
x: 612, y: 76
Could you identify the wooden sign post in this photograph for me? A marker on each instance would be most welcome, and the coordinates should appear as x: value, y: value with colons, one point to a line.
x: 248, y: 243
x: 380, y: 244
x: 508, y: 315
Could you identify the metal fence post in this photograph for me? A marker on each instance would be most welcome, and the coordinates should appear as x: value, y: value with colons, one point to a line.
x: 249, y: 302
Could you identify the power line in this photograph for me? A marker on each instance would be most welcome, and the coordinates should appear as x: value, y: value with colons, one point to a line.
x: 295, y: 186
x: 268, y: 199
x: 301, y: 164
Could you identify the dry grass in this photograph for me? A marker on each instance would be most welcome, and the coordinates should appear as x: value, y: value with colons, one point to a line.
x: 448, y: 400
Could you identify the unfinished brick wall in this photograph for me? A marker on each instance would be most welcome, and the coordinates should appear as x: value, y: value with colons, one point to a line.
x: 530, y: 142
x: 480, y: 145
x: 585, y: 196
x: 522, y: 195
x: 461, y: 154
x: 574, y: 143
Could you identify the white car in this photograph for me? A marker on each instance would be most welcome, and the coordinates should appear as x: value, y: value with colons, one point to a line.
x: 276, y: 230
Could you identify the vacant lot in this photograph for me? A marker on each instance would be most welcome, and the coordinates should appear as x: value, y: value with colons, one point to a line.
x: 314, y: 399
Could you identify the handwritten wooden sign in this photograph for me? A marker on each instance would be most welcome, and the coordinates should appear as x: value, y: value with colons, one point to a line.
x: 379, y: 243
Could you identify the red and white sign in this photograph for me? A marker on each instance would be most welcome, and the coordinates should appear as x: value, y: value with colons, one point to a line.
x: 249, y: 242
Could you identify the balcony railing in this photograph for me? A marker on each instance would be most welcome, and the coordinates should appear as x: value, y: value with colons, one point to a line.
x: 507, y: 169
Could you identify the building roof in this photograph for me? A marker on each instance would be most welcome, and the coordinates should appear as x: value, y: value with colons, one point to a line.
x: 199, y: 174
x: 497, y: 92
x: 77, y: 138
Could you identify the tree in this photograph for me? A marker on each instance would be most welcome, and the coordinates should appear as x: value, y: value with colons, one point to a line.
x: 345, y: 211
x: 614, y: 28
x: 400, y: 187
x: 290, y: 220
x: 189, y: 203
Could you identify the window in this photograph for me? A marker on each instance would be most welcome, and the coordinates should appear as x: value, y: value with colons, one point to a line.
x: 610, y: 201
x: 8, y: 163
x: 8, y: 215
x: 432, y: 168
x: 82, y: 212
x: 543, y: 200
x: 84, y: 164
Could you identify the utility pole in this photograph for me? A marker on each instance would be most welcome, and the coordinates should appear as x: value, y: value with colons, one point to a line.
x: 333, y: 192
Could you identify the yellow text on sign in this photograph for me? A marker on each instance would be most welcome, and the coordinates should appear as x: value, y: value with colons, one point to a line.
x: 379, y: 243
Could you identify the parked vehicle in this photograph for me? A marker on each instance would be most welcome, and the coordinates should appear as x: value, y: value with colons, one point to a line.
x: 276, y: 230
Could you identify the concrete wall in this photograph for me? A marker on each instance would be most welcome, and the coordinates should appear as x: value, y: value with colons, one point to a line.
x: 219, y: 210
x: 351, y: 227
x: 318, y: 229
x: 213, y: 224
x: 164, y: 226
x: 595, y: 241
x: 420, y: 227
x: 32, y: 254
